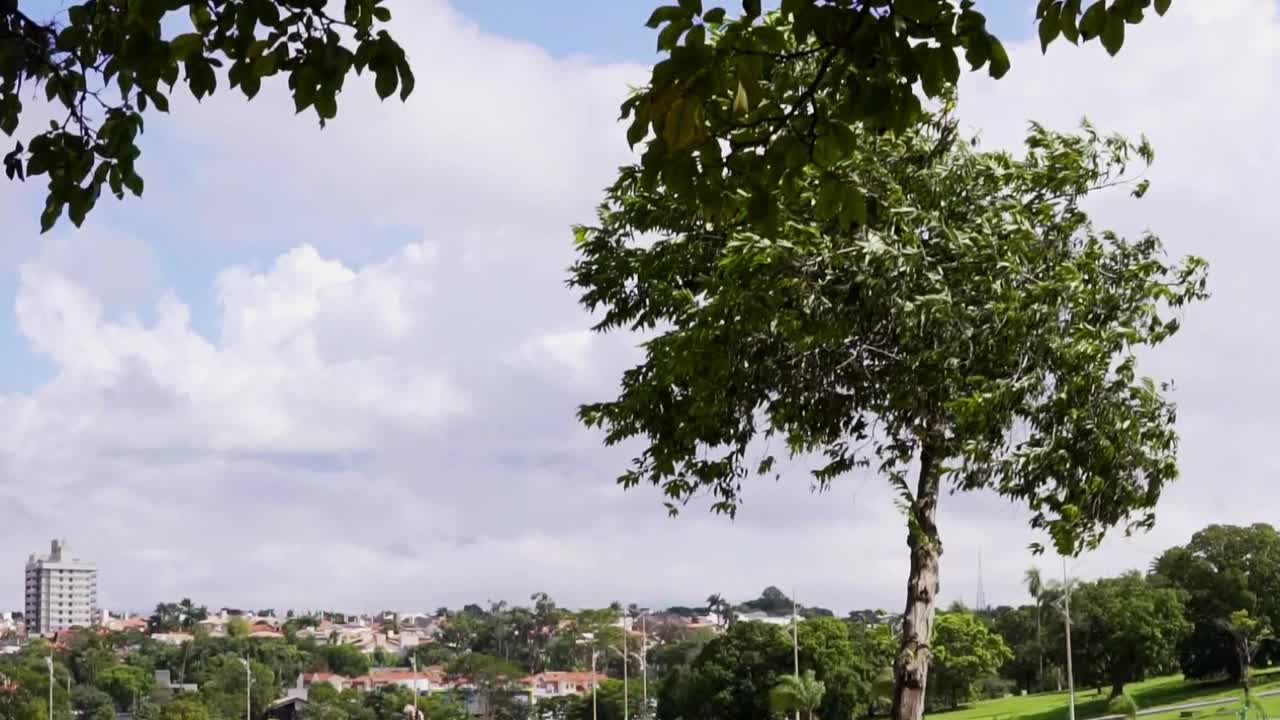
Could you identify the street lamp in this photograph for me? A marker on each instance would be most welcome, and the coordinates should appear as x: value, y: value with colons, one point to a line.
x: 415, y: 687
x: 248, y: 683
x: 594, y: 654
x: 49, y: 662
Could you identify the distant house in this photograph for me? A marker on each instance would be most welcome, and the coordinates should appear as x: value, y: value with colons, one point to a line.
x: 339, y: 682
x: 286, y: 708
x: 763, y: 617
x: 172, y: 638
x: 554, y: 683
x: 165, y: 680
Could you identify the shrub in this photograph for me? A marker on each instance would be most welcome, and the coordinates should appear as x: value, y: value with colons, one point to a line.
x: 993, y: 688
x: 1122, y: 704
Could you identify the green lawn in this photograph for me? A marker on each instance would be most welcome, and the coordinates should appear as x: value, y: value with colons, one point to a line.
x: 1158, y: 692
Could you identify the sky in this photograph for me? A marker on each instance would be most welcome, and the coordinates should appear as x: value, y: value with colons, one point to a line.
x: 339, y: 368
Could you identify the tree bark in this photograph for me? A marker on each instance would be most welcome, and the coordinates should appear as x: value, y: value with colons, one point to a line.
x: 911, y: 667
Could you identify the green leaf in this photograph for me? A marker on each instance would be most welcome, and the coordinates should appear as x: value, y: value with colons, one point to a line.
x: 666, y: 13
x: 1113, y: 33
x: 385, y: 82
x: 1094, y: 20
x: 741, y: 104
x: 669, y: 36
x: 186, y: 46
x: 751, y: 8
x: 1162, y: 6
x: 133, y: 181
x: 1050, y: 25
x: 327, y: 105
x: 853, y: 206
x: 1067, y: 20
x: 52, y: 210
x: 998, y: 58
x: 827, y: 205
x: 382, y: 14
x: 714, y: 16
x: 407, y: 81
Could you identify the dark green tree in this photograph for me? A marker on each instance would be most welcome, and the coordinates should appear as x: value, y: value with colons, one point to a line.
x: 964, y: 651
x: 1124, y: 629
x: 110, y: 60
x: 947, y: 316
x: 1222, y: 570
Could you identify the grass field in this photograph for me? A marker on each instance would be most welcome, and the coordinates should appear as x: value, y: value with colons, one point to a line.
x: 1158, y: 692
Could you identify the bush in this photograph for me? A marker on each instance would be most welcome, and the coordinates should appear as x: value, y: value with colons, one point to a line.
x: 1122, y: 704
x: 993, y: 688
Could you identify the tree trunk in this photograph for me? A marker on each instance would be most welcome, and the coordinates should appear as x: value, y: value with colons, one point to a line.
x: 911, y: 667
x: 1117, y: 688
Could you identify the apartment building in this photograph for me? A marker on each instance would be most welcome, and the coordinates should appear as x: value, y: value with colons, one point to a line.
x: 62, y: 591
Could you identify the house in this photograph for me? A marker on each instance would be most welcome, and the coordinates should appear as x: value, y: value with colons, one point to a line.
x: 286, y: 708
x: 339, y: 682
x: 556, y: 683
x: 426, y: 680
x: 172, y: 638
x: 164, y: 679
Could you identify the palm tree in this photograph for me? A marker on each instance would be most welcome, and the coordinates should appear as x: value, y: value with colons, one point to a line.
x: 1035, y: 588
x: 797, y: 693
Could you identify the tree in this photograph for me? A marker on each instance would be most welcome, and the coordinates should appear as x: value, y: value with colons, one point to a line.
x: 1125, y: 628
x: 492, y: 676
x: 731, y: 678
x: 90, y: 702
x: 952, y: 315
x: 185, y: 707
x: 739, y: 115
x: 772, y: 601
x: 1247, y: 634
x: 797, y: 694
x: 1222, y: 570
x: 1020, y: 629
x: 442, y: 706
x: 125, y: 684
x: 238, y: 627
x: 844, y: 660
x: 1035, y: 588
x: 110, y: 60
x: 964, y: 651
x: 345, y: 660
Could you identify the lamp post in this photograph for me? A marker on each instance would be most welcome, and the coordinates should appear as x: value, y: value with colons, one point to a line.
x: 1066, y: 606
x: 625, y: 662
x: 795, y: 641
x: 248, y: 683
x: 49, y: 662
x: 415, y: 687
x: 644, y: 661
x: 594, y: 654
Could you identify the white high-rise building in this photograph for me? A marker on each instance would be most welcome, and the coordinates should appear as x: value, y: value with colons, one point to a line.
x: 62, y: 591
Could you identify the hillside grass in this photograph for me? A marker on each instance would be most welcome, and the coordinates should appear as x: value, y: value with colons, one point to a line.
x: 1157, y: 692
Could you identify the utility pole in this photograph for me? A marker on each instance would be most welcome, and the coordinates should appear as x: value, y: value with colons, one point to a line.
x: 49, y: 660
x: 795, y: 641
x: 1066, y: 606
